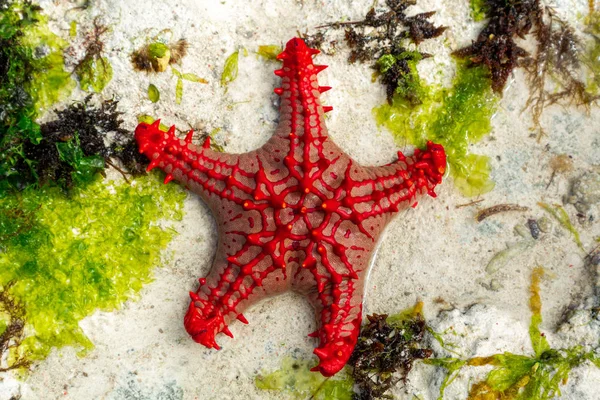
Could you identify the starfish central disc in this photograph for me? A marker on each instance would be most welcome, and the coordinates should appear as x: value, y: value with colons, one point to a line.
x: 297, y: 214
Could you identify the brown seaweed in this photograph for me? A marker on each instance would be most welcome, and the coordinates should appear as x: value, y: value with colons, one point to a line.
x: 495, y: 46
x: 497, y: 209
x: 12, y: 333
x: 557, y: 59
x: 148, y: 57
x: 75, y: 141
x: 386, y: 346
x: 383, y: 35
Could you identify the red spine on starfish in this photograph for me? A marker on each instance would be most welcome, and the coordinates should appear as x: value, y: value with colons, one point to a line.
x: 297, y: 214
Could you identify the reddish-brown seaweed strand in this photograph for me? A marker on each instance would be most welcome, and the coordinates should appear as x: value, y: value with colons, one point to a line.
x: 297, y: 214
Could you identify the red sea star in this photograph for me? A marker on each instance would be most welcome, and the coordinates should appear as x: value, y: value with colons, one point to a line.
x: 297, y: 214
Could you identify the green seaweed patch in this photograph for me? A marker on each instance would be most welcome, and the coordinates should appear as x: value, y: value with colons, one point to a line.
x: 49, y: 82
x: 32, y: 77
x: 72, y: 147
x: 454, y: 117
x: 453, y: 366
x: 559, y: 214
x: 521, y: 377
x: 479, y: 9
x: 269, y: 52
x: 153, y: 93
x: 295, y: 378
x: 94, y: 74
x: 399, y: 72
x: 230, y: 70
x: 12, y: 327
x: 94, y: 71
x: 180, y: 78
x: 68, y: 256
x: 592, y: 54
x: 84, y: 168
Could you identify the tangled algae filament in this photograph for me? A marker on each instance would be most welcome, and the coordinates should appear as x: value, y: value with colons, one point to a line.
x: 64, y: 257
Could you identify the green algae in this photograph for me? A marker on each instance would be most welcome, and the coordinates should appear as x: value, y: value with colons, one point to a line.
x: 84, y: 168
x: 592, y: 54
x: 94, y: 74
x: 94, y: 71
x: 153, y: 93
x: 160, y: 55
x: 12, y: 329
x: 454, y: 117
x: 452, y: 365
x: 32, y: 78
x: 479, y: 9
x: 159, y: 50
x: 269, y: 51
x: 73, y: 29
x: 67, y: 257
x: 179, y: 90
x: 400, y: 70
x: 521, y: 377
x: 49, y: 81
x: 230, y: 70
x: 295, y: 378
x: 180, y: 78
x: 559, y: 214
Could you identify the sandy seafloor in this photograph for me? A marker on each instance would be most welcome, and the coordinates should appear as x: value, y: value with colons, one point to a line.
x: 435, y: 251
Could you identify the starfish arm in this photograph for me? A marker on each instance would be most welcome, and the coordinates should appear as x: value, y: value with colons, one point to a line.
x: 222, y: 297
x: 212, y: 175
x: 339, y: 309
x: 242, y: 273
x: 395, y: 186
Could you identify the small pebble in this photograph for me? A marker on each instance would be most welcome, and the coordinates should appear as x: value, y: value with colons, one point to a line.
x: 544, y: 224
x: 534, y: 228
x: 522, y: 231
x: 495, y: 285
